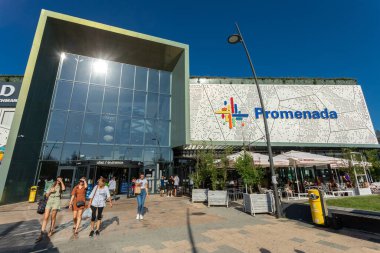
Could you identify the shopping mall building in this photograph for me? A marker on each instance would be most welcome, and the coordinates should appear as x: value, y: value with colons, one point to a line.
x: 97, y: 100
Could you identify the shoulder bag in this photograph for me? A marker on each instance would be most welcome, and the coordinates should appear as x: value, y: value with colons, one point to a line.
x: 138, y: 188
x: 79, y: 203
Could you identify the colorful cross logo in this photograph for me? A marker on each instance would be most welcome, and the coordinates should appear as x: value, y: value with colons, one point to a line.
x: 231, y: 114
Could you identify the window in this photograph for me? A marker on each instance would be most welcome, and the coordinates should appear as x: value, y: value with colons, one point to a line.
x: 122, y: 130
x: 88, y: 151
x: 164, y: 107
x: 141, y: 78
x: 110, y: 100
x: 152, y: 105
x: 113, y: 74
x: 95, y: 99
x: 107, y: 129
x: 62, y: 95
x: 125, y: 102
x: 74, y: 127
x: 57, y: 126
x: 69, y: 64
x: 84, y: 69
x: 139, y: 104
x: 128, y: 76
x: 90, y: 128
x: 78, y: 100
x: 70, y: 152
x: 165, y: 81
x: 153, y: 81
x: 151, y: 129
x: 137, y: 131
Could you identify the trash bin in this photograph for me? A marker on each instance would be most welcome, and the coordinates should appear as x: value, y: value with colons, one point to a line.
x: 32, y: 194
x: 317, y: 206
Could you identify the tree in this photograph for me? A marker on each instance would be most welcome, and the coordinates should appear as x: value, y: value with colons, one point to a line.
x: 373, y: 157
x: 251, y: 174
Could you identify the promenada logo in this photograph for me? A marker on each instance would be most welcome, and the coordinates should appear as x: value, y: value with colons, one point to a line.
x: 231, y: 114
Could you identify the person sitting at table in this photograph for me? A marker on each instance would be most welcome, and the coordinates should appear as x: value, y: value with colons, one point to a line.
x: 333, y: 185
x: 288, y: 189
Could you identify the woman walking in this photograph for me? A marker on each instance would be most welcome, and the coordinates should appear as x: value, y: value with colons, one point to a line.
x: 78, y: 203
x: 98, y: 198
x: 142, y: 183
x: 52, y: 206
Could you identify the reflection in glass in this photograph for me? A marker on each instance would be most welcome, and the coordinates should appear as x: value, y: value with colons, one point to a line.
x: 122, y: 130
x: 137, y: 131
x: 164, y: 107
x: 113, y: 74
x: 165, y: 80
x: 125, y: 102
x: 83, y: 69
x: 163, y: 130
x: 99, y: 70
x: 105, y: 152
x: 153, y: 80
x: 95, y: 98
x: 88, y: 151
x: 141, y: 78
x: 128, y: 76
x: 70, y: 152
x: 57, y: 126
x: 62, y: 95
x: 135, y: 154
x: 78, y: 100
x: 150, y: 156
x: 69, y: 64
x: 52, y: 151
x: 152, y: 105
x: 139, y: 104
x: 110, y: 100
x: 121, y: 152
x: 107, y: 129
x: 90, y: 128
x: 150, y: 132
x: 74, y: 127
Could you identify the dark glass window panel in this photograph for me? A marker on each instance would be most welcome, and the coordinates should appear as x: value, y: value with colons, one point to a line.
x: 107, y: 129
x: 69, y: 65
x: 139, y: 104
x: 70, y: 152
x: 83, y: 69
x: 74, y: 127
x: 110, y: 100
x: 90, y: 128
x: 105, y: 152
x: 163, y: 130
x: 152, y: 105
x: 153, y: 80
x: 165, y: 80
x: 121, y: 152
x: 52, y: 151
x: 164, y: 107
x: 135, y: 153
x: 123, y: 127
x: 113, y: 74
x: 95, y: 99
x: 125, y: 102
x: 151, y: 134
x: 128, y: 76
x: 141, y: 78
x: 62, y: 95
x: 137, y: 131
x: 99, y: 71
x: 166, y: 154
x: 151, y: 156
x: 78, y: 100
x: 57, y: 126
x: 88, y: 151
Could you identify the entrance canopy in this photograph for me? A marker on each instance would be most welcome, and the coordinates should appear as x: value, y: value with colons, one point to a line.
x: 258, y: 159
x: 299, y: 158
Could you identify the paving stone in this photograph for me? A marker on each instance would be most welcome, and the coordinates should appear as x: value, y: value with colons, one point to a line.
x: 296, y: 239
x: 333, y: 245
x: 323, y: 235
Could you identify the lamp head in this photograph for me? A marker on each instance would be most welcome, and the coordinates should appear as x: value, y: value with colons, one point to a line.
x: 234, y: 38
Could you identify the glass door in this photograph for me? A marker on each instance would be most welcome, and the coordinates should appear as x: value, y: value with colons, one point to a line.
x: 68, y: 175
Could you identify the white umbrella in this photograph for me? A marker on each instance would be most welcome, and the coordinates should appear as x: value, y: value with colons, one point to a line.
x: 259, y: 159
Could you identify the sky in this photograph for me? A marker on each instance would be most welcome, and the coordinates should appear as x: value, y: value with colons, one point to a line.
x: 293, y: 38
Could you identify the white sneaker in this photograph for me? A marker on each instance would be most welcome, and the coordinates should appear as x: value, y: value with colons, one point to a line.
x: 137, y: 216
x: 141, y: 217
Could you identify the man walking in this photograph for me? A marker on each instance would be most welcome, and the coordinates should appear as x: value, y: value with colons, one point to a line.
x: 176, y: 185
x: 112, y: 188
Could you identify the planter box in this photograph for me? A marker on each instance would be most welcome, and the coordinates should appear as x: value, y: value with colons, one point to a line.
x: 363, y: 191
x: 199, y: 195
x: 217, y: 198
x: 259, y: 203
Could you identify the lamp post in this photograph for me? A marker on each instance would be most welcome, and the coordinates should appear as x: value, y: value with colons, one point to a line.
x: 233, y: 39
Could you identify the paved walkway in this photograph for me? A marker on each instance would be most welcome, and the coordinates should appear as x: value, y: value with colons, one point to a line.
x: 176, y: 225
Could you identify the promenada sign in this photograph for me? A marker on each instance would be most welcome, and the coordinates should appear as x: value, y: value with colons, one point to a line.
x: 232, y: 115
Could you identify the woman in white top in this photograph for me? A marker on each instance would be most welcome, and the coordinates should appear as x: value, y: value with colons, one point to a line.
x: 98, y: 197
x: 143, y: 184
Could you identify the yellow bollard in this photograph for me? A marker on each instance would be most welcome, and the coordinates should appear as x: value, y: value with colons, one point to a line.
x: 316, y: 206
x: 32, y: 194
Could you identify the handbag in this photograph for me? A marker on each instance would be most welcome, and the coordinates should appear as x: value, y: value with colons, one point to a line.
x: 87, y: 213
x: 41, y: 205
x: 79, y: 203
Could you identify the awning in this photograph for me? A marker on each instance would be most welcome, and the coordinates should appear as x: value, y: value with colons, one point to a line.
x: 258, y: 159
x: 308, y: 159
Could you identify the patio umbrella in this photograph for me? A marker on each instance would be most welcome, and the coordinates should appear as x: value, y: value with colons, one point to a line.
x: 258, y: 159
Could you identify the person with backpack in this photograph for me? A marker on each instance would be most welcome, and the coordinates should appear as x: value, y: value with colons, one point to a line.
x: 98, y: 198
x: 78, y: 203
x: 52, y: 206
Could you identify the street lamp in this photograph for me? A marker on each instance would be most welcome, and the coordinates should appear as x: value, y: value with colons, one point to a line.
x: 233, y: 39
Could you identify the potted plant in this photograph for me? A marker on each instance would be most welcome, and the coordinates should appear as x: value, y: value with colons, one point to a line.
x: 199, y: 193
x: 217, y: 196
x: 252, y: 176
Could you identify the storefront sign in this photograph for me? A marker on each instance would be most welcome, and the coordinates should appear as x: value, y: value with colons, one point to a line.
x: 107, y: 162
x: 9, y: 94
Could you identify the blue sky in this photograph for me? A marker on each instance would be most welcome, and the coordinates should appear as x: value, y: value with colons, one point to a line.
x: 294, y: 38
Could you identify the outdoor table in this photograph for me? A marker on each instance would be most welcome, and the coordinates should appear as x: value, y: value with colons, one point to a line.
x: 337, y: 193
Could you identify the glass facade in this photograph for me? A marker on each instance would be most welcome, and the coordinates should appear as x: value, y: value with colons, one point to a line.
x: 108, y: 110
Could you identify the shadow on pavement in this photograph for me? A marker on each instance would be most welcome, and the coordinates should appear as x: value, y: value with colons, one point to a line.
x: 21, y: 236
x: 191, y: 237
x: 262, y: 250
x: 109, y: 222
